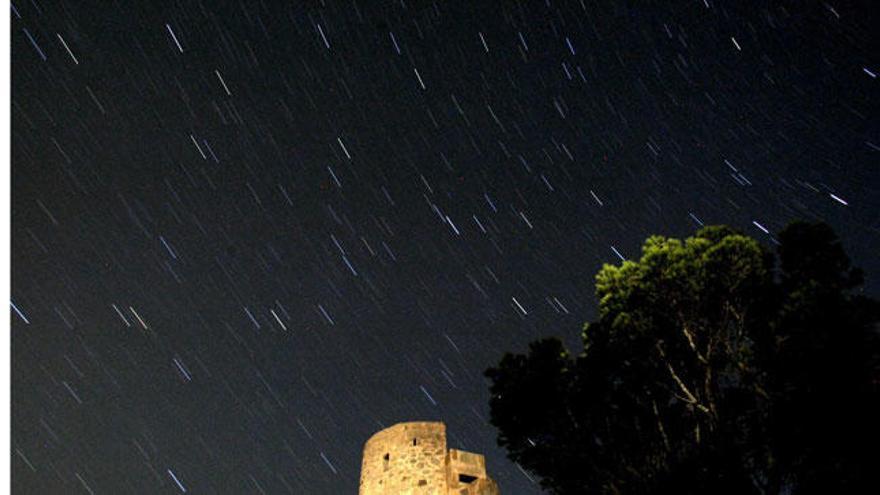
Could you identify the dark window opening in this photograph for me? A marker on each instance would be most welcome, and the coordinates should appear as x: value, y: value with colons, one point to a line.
x: 414, y: 441
x: 387, y: 456
x: 466, y: 478
x: 423, y: 482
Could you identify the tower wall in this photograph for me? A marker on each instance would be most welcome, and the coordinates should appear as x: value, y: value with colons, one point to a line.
x: 406, y: 459
x: 411, y: 459
x: 466, y: 474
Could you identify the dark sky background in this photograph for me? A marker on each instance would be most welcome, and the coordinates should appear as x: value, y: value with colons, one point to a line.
x: 247, y: 235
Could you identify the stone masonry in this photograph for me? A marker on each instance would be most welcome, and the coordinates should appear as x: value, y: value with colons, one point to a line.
x: 412, y: 459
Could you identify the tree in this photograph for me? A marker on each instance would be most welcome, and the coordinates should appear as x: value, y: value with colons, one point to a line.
x: 708, y: 370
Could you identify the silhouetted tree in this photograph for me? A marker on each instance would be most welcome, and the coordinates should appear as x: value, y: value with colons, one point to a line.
x: 708, y: 370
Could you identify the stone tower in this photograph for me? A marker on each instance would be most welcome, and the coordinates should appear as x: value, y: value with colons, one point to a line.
x: 412, y: 459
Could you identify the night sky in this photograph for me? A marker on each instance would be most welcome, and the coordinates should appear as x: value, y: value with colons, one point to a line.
x: 247, y: 235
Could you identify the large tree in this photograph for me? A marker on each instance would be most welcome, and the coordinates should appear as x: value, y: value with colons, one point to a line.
x: 709, y: 369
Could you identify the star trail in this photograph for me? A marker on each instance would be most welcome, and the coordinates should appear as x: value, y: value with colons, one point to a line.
x: 247, y: 235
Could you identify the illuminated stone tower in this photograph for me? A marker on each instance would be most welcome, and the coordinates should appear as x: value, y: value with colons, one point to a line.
x: 411, y: 459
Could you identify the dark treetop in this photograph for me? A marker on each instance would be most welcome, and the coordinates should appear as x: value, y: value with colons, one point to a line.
x: 246, y: 235
x: 710, y: 368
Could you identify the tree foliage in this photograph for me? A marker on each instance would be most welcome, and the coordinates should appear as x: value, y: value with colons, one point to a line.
x: 708, y: 370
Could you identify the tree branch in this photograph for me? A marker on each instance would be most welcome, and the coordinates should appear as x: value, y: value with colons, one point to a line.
x: 660, y: 426
x: 690, y: 397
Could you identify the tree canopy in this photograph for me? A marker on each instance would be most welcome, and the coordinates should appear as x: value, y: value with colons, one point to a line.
x: 709, y: 369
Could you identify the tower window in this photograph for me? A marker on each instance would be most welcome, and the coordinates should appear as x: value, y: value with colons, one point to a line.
x: 466, y: 478
x: 415, y: 441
